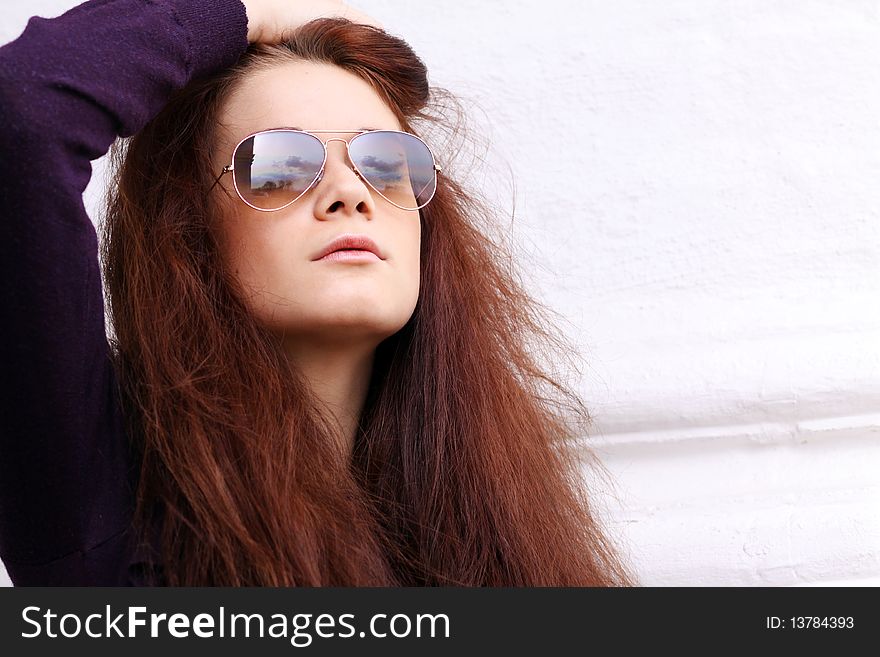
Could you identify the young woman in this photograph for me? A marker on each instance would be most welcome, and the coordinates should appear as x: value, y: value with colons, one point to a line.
x: 321, y: 373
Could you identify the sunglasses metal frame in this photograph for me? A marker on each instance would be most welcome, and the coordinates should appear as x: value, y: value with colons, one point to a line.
x: 230, y: 168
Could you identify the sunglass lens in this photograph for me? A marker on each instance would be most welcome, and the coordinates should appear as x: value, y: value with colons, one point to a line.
x: 398, y: 165
x: 274, y: 168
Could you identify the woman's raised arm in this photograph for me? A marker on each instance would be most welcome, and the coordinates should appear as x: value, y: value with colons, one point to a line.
x: 68, y: 87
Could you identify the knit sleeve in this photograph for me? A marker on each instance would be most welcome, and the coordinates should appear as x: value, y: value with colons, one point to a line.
x: 69, y: 86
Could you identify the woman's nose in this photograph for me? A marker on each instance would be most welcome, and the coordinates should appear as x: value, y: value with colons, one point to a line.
x: 340, y: 188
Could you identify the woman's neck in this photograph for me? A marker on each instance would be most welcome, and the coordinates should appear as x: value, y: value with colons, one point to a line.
x: 339, y: 377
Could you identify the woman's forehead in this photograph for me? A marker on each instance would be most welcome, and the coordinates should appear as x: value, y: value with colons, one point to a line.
x: 308, y: 95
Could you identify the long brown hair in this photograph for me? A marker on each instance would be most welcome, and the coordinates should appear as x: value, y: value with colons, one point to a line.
x: 462, y: 471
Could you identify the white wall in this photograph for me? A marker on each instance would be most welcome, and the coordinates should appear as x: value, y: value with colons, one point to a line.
x: 698, y: 194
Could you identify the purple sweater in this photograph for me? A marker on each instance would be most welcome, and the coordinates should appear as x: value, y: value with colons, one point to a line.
x: 68, y: 87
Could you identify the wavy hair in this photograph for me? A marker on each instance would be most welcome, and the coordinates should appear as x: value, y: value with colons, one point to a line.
x: 463, y: 471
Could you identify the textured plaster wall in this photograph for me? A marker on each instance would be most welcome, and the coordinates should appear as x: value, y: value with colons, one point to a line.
x: 697, y: 189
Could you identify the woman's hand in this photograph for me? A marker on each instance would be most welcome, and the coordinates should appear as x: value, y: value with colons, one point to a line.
x: 270, y: 20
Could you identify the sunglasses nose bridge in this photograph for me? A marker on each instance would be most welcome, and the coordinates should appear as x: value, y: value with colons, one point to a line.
x: 327, y: 151
x: 350, y: 162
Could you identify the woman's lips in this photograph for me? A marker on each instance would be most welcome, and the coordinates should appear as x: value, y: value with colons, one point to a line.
x: 351, y: 255
x: 350, y: 242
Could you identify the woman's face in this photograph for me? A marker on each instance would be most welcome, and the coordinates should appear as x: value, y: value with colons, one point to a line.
x: 327, y: 301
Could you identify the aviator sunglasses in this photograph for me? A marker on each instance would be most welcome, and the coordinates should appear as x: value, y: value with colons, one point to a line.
x: 273, y: 168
